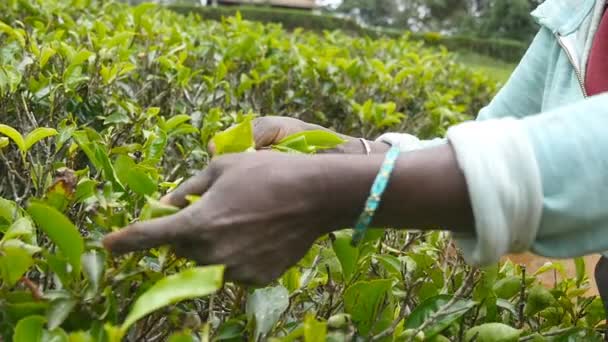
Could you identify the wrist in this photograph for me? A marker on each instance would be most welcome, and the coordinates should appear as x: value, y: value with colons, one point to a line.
x: 356, y: 146
x: 345, y: 182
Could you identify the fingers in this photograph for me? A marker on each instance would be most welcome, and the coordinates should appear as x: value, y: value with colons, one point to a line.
x: 211, y: 147
x: 266, y: 131
x: 149, y: 234
x: 195, y: 185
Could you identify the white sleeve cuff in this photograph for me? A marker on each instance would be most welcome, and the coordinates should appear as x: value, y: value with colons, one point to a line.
x: 408, y: 142
x: 504, y: 186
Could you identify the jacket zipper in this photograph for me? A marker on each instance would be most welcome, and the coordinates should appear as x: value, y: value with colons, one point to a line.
x: 581, y: 82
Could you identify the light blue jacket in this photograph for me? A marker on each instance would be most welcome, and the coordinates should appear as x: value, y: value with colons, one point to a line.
x: 536, y: 159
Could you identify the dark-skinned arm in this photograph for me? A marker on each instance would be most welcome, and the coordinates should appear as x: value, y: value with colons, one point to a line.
x: 427, y: 190
x: 261, y: 212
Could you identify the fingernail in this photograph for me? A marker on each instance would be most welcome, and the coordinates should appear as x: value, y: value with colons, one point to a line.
x: 166, y: 199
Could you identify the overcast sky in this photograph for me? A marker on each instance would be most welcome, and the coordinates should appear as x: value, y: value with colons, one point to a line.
x: 329, y: 2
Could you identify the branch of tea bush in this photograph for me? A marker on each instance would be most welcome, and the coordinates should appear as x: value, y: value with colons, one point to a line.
x: 522, y: 298
x: 548, y: 334
x: 402, y: 313
x: 464, y: 291
x: 14, y: 175
x: 308, y: 278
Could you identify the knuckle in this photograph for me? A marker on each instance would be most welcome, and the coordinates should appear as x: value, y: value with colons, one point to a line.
x: 220, y: 163
x: 259, y: 120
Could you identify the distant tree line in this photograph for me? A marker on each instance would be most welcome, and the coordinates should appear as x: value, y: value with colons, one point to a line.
x: 508, y: 19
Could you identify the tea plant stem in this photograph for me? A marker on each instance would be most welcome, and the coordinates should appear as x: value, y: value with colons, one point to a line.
x: 34, y: 289
x: 332, y: 287
x: 549, y: 334
x: 28, y: 112
x: 463, y: 291
x: 393, y: 250
x: 402, y: 312
x: 522, y: 298
x: 12, y: 174
x: 305, y: 281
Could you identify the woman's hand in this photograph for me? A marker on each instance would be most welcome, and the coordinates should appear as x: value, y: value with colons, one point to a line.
x: 270, y: 130
x: 259, y: 214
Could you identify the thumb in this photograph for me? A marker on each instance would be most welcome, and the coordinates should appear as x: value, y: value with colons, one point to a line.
x: 211, y: 147
x: 266, y: 131
x: 149, y: 234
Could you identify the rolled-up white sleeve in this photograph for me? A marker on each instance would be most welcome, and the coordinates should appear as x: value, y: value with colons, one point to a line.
x: 538, y: 183
x: 504, y: 185
x: 408, y: 142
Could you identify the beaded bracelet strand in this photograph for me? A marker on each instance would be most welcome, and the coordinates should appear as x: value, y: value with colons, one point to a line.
x: 373, y: 201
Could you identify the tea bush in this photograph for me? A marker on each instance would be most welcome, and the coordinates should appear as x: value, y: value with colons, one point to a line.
x: 105, y: 107
x: 507, y: 50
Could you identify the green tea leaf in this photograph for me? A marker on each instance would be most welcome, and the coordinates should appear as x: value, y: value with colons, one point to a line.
x: 93, y: 265
x: 552, y: 266
x: 346, y: 253
x: 59, y: 310
x: 10, y: 78
x: 193, y: 198
x: 153, y: 209
x: 311, y: 141
x: 363, y: 302
x: 56, y: 335
x: 155, y: 146
x: 539, y: 298
x: 46, y: 54
x: 265, y: 307
x: 13, y: 33
x: 14, y: 262
x: 21, y: 227
x: 579, y: 263
x: 291, y: 279
x: 188, y: 284
x: 492, y: 332
x: 38, y: 134
x: 296, y: 145
x: 80, y: 336
x: 117, y: 118
x: 236, y: 139
x: 61, y: 231
x: 391, y: 264
x: 60, y: 266
x: 427, y: 308
x: 80, y: 57
x: 184, y: 336
x: 8, y: 211
x: 133, y: 176
x: 30, y: 329
x: 232, y: 330
x: 338, y: 321
x: 85, y: 189
x: 507, y: 287
x: 15, y: 243
x: 106, y: 166
x: 15, y: 136
x: 314, y: 331
x: 175, y: 121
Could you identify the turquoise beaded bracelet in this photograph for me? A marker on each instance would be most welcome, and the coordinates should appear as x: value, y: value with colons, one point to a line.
x: 373, y: 201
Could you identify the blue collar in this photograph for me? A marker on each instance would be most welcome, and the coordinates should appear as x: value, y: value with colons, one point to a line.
x: 563, y: 16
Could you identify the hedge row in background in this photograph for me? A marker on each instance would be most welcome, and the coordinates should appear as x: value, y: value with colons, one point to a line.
x: 503, y: 49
